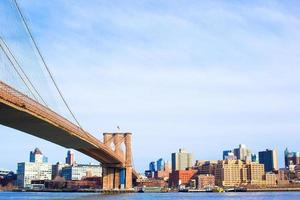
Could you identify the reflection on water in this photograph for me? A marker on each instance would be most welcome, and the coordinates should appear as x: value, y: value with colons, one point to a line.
x: 152, y: 196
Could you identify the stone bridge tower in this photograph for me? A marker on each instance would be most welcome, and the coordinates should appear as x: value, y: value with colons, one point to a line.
x: 118, y: 177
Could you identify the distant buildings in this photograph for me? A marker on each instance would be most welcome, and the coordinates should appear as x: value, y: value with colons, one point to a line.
x: 36, y: 169
x: 152, y: 167
x: 70, y: 159
x: 269, y: 159
x: 182, y: 160
x: 226, y: 153
x: 291, y: 158
x: 160, y: 164
x: 36, y: 156
x: 182, y: 178
x: 242, y: 152
x: 254, y: 157
x: 77, y: 172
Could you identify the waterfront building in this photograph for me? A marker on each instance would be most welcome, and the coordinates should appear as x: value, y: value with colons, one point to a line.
x: 36, y: 169
x: 228, y: 173
x: 77, y: 172
x: 152, y: 167
x: 181, y: 160
x: 291, y: 158
x: 70, y: 159
x: 37, y: 156
x: 205, y: 181
x: 160, y: 164
x: 28, y: 171
x: 183, y: 178
x: 269, y: 159
x: 270, y: 179
x: 242, y: 152
x: 255, y: 173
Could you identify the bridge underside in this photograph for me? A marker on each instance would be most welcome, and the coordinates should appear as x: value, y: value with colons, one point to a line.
x: 33, y: 125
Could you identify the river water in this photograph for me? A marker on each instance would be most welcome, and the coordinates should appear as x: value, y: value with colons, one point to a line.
x: 152, y: 196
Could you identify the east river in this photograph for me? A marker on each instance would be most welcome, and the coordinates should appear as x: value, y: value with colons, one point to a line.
x: 154, y: 196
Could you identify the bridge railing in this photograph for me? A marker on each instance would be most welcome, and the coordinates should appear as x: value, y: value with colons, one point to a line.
x: 15, y: 97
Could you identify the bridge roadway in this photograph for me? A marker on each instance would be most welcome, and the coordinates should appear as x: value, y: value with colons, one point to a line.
x: 20, y: 112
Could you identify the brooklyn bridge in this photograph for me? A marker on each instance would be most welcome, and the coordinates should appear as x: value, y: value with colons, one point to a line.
x: 23, y: 107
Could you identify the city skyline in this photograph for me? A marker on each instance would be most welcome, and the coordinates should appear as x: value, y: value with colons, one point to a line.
x: 165, y: 73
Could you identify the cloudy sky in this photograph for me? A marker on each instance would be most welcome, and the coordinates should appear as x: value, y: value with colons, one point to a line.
x: 204, y: 75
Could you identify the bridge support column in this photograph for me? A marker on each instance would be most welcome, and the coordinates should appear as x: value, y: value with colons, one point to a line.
x: 128, y: 161
x: 116, y: 177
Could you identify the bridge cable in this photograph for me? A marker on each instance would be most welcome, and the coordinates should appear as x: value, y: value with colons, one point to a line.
x: 22, y: 70
x: 44, y: 62
x: 17, y: 71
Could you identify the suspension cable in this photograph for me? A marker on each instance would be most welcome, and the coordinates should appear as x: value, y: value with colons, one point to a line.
x: 44, y: 62
x: 22, y: 70
x: 17, y: 71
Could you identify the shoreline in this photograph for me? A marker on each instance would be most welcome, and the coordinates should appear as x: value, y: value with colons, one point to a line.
x: 133, y: 191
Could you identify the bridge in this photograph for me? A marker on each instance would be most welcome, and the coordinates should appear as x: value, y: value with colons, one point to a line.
x: 24, y: 113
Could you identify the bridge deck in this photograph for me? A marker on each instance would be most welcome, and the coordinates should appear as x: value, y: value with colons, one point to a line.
x: 20, y: 112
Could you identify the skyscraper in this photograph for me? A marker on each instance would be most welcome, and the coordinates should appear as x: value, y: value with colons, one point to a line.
x: 225, y: 154
x: 242, y: 152
x: 181, y: 160
x: 269, y: 159
x: 160, y: 164
x: 291, y: 158
x: 152, y: 166
x: 37, y: 156
x: 70, y: 159
x: 254, y: 157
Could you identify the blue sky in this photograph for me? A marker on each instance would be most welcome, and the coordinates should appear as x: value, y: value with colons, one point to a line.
x: 204, y: 75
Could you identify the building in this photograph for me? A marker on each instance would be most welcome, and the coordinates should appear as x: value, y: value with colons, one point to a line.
x: 28, y: 171
x: 70, y: 159
x: 77, y: 172
x: 291, y: 158
x: 242, y: 152
x: 36, y: 169
x: 254, y: 157
x: 37, y: 156
x: 152, y: 167
x: 180, y: 178
x: 206, y: 167
x: 160, y: 164
x: 226, y: 153
x: 57, y: 169
x: 228, y: 173
x: 181, y: 160
x: 270, y: 179
x: 255, y: 173
x: 269, y: 159
x: 205, y: 181
x: 149, y: 174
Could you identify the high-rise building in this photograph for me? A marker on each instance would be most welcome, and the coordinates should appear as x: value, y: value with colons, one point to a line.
x: 36, y: 169
x: 160, y: 164
x: 291, y: 158
x: 70, y: 159
x: 269, y: 159
x: 229, y: 173
x: 255, y: 173
x: 152, y: 167
x: 37, y: 156
x: 182, y: 160
x: 242, y: 152
x: 226, y: 153
x: 77, y: 172
x: 254, y: 157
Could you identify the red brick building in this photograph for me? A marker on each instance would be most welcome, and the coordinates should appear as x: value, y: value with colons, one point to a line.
x: 182, y: 177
